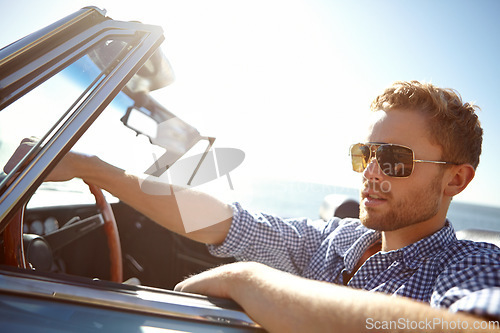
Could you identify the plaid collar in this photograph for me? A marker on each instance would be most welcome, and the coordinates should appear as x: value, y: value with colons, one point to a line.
x: 412, y: 255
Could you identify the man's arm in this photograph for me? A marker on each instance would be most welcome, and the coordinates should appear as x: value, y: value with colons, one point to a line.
x: 160, y: 202
x: 197, y: 207
x: 282, y: 302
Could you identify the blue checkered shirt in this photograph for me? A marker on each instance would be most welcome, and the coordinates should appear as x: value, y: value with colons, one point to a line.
x: 440, y: 270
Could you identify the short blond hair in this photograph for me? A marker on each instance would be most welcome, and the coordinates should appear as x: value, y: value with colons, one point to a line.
x: 453, y: 124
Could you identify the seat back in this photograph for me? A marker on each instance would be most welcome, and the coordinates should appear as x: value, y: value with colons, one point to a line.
x: 479, y: 235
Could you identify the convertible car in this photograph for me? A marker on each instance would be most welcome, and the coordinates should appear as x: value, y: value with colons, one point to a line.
x: 72, y: 258
x: 75, y: 259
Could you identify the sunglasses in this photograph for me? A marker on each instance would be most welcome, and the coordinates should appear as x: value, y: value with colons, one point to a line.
x: 394, y: 160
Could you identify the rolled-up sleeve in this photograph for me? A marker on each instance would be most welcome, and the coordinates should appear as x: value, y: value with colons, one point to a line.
x: 484, y: 303
x: 471, y: 285
x: 285, y: 244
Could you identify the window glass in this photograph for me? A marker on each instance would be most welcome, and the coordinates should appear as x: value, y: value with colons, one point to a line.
x: 46, y: 106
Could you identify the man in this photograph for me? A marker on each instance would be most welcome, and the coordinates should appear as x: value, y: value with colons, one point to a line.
x: 421, y: 150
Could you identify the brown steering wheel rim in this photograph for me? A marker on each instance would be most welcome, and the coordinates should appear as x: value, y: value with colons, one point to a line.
x: 13, y: 237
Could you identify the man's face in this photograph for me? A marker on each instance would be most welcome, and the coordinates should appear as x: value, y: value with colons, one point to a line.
x: 389, y: 203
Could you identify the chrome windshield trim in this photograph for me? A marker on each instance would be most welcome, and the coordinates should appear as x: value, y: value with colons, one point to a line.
x: 138, y: 299
x: 85, y: 16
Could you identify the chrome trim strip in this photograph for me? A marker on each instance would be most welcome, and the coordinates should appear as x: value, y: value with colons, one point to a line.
x: 82, y: 15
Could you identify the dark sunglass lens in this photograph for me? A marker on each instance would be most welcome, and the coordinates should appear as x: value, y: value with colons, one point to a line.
x: 366, y: 151
x: 395, y: 161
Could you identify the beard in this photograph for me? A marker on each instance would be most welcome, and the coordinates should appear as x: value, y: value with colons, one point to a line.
x: 416, y: 206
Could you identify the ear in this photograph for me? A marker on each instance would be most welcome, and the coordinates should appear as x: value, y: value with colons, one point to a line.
x: 459, y: 177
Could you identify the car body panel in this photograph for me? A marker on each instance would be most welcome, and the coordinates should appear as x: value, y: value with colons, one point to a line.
x: 137, y: 299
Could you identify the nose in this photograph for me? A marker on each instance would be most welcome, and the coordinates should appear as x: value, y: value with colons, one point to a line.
x: 373, y: 171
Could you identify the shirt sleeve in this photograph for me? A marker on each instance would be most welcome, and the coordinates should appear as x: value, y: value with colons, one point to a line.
x: 472, y: 285
x: 285, y: 244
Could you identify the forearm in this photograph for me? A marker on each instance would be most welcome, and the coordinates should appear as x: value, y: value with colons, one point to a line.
x: 298, y: 305
x: 282, y: 302
x: 159, y: 200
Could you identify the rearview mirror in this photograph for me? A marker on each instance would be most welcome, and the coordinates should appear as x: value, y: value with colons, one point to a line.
x: 156, y: 72
x: 171, y: 133
x: 141, y: 123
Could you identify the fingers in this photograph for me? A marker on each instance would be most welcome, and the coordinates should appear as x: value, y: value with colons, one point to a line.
x: 214, y: 282
x: 62, y: 172
x: 224, y: 281
x: 203, y: 283
x: 180, y: 286
x: 22, y: 150
x: 32, y: 140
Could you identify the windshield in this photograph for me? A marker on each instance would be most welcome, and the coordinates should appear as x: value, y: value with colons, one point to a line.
x: 49, y: 105
x: 134, y: 132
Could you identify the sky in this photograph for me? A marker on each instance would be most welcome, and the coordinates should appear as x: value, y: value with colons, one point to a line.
x: 290, y: 82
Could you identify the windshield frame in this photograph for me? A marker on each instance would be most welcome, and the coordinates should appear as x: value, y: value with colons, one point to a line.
x: 17, y: 187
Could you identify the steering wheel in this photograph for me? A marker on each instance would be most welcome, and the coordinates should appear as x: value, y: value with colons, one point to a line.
x: 14, y: 242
